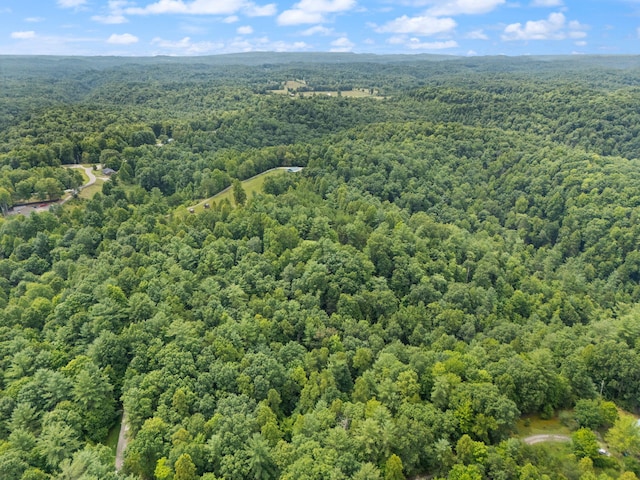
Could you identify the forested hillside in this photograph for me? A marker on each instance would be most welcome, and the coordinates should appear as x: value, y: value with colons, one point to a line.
x: 455, y: 257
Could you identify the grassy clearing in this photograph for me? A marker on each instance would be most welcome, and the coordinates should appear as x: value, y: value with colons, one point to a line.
x: 292, y: 86
x: 112, y: 439
x: 88, y: 192
x: 251, y: 186
x: 534, y: 425
x: 344, y: 93
x: 358, y: 93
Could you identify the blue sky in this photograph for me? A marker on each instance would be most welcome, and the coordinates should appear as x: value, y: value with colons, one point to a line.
x: 206, y: 27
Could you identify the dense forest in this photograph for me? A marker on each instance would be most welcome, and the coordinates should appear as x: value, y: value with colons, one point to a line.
x: 457, y: 260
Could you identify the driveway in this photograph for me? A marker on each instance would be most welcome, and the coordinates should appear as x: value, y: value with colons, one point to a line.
x: 533, y: 439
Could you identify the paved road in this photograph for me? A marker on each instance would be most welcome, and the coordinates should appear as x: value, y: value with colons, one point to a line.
x: 533, y: 439
x: 89, y: 172
x: 123, y: 439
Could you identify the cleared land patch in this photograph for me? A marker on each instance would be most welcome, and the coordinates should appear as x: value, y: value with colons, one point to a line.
x: 299, y: 89
x: 534, y: 425
x: 251, y: 186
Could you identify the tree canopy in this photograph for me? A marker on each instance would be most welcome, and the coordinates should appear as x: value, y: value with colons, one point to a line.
x: 457, y: 252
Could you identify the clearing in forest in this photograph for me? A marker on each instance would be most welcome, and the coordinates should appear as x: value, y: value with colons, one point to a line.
x: 251, y: 185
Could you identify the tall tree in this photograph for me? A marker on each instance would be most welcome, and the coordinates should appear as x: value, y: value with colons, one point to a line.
x: 239, y: 195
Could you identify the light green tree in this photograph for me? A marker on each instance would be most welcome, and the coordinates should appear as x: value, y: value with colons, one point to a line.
x: 624, y: 436
x: 185, y: 469
x: 585, y: 443
x: 5, y: 200
x: 163, y: 471
x: 393, y: 468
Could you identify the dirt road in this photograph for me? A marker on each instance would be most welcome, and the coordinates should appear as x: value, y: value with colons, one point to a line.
x: 123, y: 439
x: 533, y: 439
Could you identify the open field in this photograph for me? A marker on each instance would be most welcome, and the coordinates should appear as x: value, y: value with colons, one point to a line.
x: 356, y: 93
x: 534, y: 425
x: 112, y: 439
x: 251, y: 186
x: 359, y: 93
x: 88, y: 192
x: 92, y: 181
x: 292, y: 86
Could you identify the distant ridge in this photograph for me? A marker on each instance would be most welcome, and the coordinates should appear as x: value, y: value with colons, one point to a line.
x: 46, y: 62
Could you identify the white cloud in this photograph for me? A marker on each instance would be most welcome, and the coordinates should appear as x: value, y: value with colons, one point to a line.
x: 397, y: 40
x: 472, y: 53
x: 34, y: 19
x: 281, y: 46
x: 185, y: 46
x: 546, y: 3
x: 577, y: 30
x: 423, y: 25
x: 253, y: 10
x: 115, y: 13
x: 342, y: 44
x: 23, y: 35
x: 71, y: 3
x: 54, y: 45
x: 231, y: 19
x: 239, y: 44
x: 246, y: 30
x: 110, y: 19
x: 317, y: 30
x: 581, y: 43
x: 555, y: 27
x: 461, y: 7
x: 477, y: 35
x: 263, y: 44
x: 313, y: 11
x: 416, y: 44
x: 124, y: 39
x: 201, y: 7
x: 299, y: 17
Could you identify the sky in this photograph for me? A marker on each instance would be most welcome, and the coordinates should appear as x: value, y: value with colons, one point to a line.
x: 209, y: 27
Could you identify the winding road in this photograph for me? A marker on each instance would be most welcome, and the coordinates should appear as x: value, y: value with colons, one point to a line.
x: 89, y: 172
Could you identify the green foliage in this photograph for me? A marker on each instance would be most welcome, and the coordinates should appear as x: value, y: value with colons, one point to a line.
x: 452, y: 256
x: 239, y: 195
x: 624, y: 436
x: 595, y: 413
x: 585, y: 443
x: 185, y: 469
x: 393, y: 468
